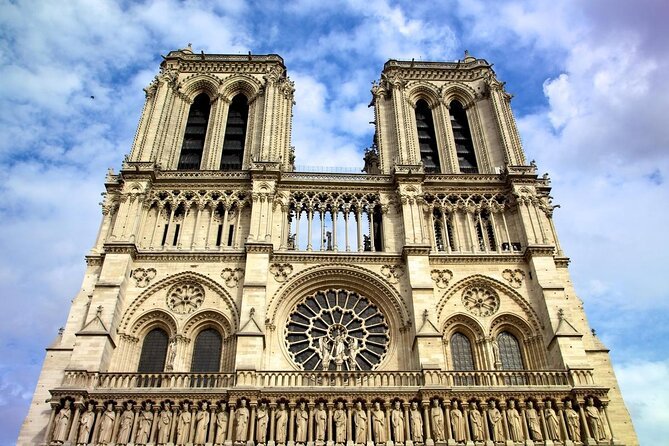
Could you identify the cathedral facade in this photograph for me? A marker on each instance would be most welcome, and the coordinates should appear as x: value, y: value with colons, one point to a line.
x: 231, y: 300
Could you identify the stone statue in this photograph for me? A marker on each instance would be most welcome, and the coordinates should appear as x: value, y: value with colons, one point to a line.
x: 573, y: 423
x: 242, y: 420
x: 324, y: 352
x: 86, y: 425
x: 125, y: 422
x: 476, y: 421
x: 61, y: 423
x: 594, y: 421
x: 171, y: 355
x: 533, y: 422
x: 302, y: 420
x: 201, y: 424
x: 107, y: 425
x: 164, y: 424
x: 416, y: 423
x: 496, y: 426
x: 221, y: 424
x: 552, y: 422
x: 261, y: 423
x: 339, y: 348
x: 340, y: 423
x: 379, y: 423
x: 495, y: 353
x: 320, y: 418
x: 397, y: 422
x: 183, y: 426
x: 144, y: 425
x: 353, y: 350
x: 360, y: 420
x: 458, y: 424
x: 281, y: 418
x: 437, y: 415
x: 515, y: 426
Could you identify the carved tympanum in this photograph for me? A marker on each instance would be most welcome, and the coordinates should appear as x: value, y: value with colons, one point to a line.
x: 337, y: 330
x: 185, y: 297
x: 480, y: 301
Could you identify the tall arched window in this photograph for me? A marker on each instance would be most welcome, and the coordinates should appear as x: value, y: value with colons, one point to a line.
x: 207, y: 352
x: 461, y: 352
x: 235, y: 134
x: 196, y: 131
x: 427, y: 140
x: 463, y: 138
x: 154, y: 351
x: 509, y: 351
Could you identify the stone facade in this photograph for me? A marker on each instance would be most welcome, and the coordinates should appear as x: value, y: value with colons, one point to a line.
x: 424, y: 301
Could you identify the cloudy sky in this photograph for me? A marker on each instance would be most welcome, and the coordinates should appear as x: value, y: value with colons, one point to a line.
x: 591, y: 100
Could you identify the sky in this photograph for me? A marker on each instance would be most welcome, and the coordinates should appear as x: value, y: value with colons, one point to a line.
x: 589, y: 81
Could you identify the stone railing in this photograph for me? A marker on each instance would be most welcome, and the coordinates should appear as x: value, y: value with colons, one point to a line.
x: 367, y: 379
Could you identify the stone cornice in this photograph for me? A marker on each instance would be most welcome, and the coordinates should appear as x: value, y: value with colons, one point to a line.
x: 539, y: 251
x: 259, y: 247
x: 415, y: 250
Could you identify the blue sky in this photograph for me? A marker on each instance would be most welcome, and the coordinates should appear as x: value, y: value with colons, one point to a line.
x: 589, y: 80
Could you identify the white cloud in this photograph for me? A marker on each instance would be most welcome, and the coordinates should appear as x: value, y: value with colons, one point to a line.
x: 644, y: 387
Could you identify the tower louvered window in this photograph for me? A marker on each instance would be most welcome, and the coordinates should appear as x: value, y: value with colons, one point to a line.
x: 207, y: 352
x: 427, y: 139
x: 154, y: 351
x: 463, y: 139
x: 235, y: 134
x: 195, y: 134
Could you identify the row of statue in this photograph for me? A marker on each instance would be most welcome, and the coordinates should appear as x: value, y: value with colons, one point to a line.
x: 339, y: 423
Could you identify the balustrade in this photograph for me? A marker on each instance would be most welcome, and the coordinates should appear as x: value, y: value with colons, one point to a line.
x: 375, y: 379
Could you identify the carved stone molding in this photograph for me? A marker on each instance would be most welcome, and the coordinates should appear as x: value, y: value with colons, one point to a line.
x: 186, y: 297
x: 143, y: 276
x: 232, y: 276
x: 392, y: 272
x: 441, y: 277
x: 281, y: 271
x: 514, y: 277
x: 480, y: 301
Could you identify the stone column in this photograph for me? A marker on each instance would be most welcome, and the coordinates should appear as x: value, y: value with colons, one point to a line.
x: 72, y: 436
x: 389, y: 434
x: 212, y: 423
x: 608, y: 421
x: 136, y: 412
x: 523, y: 417
x: 505, y: 423
x: 426, y: 423
x: 272, y: 425
x: 465, y: 413
x: 154, y: 425
x: 231, y: 423
x: 193, y: 413
x: 330, y: 438
x: 540, y: 409
x: 370, y: 440
x: 407, y: 426
x: 310, y: 424
x: 559, y: 408
x: 584, y: 424
x: 175, y: 421
x: 49, y: 426
x: 447, y: 419
x: 96, y: 426
x: 349, y: 425
x: 291, y: 424
x: 250, y: 439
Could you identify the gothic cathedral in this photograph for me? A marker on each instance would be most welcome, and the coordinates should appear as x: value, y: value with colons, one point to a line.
x: 231, y: 300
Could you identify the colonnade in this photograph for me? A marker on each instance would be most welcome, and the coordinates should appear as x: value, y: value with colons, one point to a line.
x: 392, y: 421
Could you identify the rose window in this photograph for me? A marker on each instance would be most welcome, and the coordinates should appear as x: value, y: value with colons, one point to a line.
x: 480, y: 301
x: 337, y: 330
x: 185, y: 297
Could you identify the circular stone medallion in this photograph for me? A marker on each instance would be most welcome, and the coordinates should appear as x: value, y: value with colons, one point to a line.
x: 480, y: 301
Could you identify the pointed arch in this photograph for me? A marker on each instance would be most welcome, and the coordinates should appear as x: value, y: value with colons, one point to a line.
x: 187, y: 276
x: 503, y: 289
x: 200, y: 83
x: 240, y: 84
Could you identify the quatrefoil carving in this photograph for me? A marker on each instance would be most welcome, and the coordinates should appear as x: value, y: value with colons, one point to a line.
x: 143, y: 276
x: 441, y: 277
x: 392, y: 272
